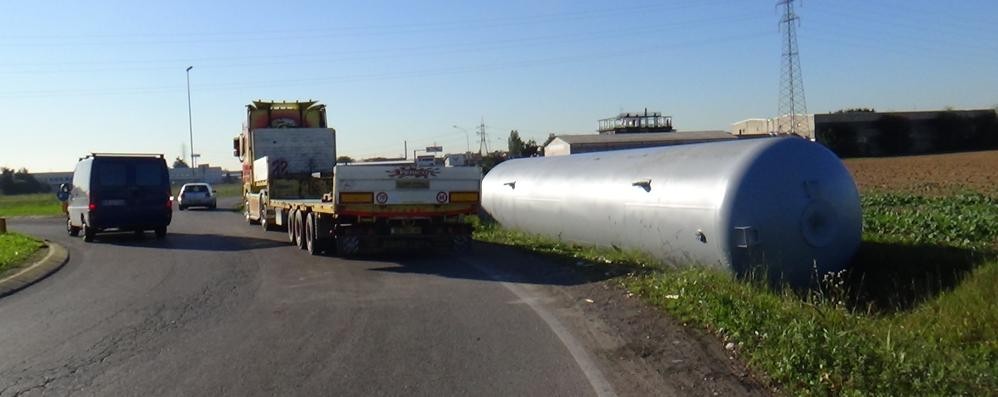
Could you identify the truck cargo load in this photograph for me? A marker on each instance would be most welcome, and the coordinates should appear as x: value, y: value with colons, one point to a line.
x: 291, y: 180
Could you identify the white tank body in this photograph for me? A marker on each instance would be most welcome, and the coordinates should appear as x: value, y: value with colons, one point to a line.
x: 784, y: 203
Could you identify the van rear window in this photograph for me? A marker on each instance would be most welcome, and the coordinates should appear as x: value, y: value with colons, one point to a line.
x: 148, y: 174
x: 112, y: 174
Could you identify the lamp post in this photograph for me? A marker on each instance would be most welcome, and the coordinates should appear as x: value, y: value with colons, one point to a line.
x: 467, y: 141
x: 190, y: 122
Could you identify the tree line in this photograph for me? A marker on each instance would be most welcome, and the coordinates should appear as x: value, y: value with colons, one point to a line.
x: 20, y: 182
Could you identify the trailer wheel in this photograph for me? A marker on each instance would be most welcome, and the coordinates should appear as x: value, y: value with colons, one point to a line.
x: 292, y: 216
x: 263, y: 218
x: 246, y: 211
x: 300, y: 230
x: 311, y: 240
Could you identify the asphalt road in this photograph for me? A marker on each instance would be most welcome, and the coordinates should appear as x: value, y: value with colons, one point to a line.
x: 221, y: 307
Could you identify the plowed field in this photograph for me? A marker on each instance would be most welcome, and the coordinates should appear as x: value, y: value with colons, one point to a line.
x: 931, y: 175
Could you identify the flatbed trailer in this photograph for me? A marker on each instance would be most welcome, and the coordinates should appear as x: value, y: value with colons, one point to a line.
x: 318, y: 227
x: 291, y: 181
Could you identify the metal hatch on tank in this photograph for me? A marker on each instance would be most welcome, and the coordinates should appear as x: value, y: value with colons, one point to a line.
x: 786, y: 204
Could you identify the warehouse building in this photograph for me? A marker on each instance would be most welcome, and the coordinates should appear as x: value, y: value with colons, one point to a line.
x: 563, y: 145
x: 866, y: 132
x: 764, y: 127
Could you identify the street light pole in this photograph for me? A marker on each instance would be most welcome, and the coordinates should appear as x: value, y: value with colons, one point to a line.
x: 467, y: 141
x: 190, y: 122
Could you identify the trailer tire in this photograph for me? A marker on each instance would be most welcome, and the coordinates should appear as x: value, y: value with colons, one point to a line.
x: 311, y: 239
x: 300, y: 230
x: 246, y: 211
x: 292, y: 214
x: 263, y: 218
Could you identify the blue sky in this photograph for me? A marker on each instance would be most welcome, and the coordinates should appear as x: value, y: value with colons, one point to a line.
x: 108, y: 76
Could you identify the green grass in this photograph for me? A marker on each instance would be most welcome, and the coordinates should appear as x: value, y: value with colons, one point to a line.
x: 29, y: 204
x: 229, y: 189
x: 914, y: 315
x: 15, y: 248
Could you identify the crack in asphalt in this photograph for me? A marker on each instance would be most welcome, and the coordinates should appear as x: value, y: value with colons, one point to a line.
x: 147, y: 336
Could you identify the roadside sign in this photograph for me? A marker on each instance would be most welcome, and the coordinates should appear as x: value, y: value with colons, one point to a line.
x: 434, y: 149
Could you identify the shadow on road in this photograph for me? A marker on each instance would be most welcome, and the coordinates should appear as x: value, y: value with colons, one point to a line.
x: 492, y: 262
x: 185, y: 241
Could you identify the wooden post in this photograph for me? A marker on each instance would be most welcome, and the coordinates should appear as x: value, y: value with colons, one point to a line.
x: 3, y: 225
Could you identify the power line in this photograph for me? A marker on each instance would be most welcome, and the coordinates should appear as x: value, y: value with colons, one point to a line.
x: 370, y: 54
x: 447, y: 71
x: 405, y: 28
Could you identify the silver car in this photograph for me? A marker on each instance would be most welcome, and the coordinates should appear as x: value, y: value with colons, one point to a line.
x: 196, y: 195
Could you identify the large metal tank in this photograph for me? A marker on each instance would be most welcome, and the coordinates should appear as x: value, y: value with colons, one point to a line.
x: 786, y: 204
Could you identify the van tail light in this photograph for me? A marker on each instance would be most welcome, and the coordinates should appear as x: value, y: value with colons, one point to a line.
x: 93, y: 202
x: 93, y: 206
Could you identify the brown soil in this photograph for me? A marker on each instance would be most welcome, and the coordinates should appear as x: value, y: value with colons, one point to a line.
x: 929, y: 174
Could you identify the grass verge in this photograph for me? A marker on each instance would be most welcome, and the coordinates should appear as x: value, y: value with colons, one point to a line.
x: 914, y: 315
x: 29, y: 204
x: 228, y: 190
x: 15, y: 248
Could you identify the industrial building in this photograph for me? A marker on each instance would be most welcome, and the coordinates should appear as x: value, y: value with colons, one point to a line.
x: 635, y: 123
x: 763, y: 127
x: 203, y: 173
x: 629, y: 131
x: 563, y: 145
x: 871, y: 133
x: 53, y: 179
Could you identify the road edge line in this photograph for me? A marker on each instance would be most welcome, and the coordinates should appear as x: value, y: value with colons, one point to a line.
x: 601, y: 386
x: 54, y: 260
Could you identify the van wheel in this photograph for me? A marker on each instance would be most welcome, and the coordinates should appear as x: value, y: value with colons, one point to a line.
x: 73, y: 230
x: 161, y: 232
x: 88, y: 233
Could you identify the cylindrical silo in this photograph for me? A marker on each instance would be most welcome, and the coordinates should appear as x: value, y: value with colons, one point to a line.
x: 786, y: 204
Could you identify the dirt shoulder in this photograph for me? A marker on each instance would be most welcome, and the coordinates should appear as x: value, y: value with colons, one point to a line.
x: 641, y: 350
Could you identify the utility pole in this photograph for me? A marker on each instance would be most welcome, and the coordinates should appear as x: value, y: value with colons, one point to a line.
x: 190, y: 122
x: 467, y: 140
x: 483, y: 142
x: 792, y: 117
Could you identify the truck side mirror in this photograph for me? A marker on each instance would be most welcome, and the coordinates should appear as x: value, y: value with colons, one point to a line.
x: 235, y: 147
